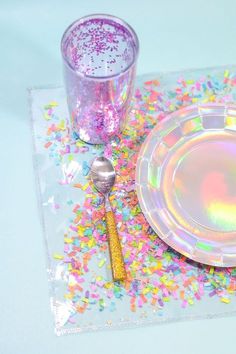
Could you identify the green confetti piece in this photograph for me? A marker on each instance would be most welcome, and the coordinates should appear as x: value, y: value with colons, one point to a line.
x: 203, y: 246
x: 226, y: 73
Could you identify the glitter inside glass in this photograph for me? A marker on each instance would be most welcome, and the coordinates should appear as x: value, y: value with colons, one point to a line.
x: 99, y: 55
x: 186, y: 182
x: 162, y: 285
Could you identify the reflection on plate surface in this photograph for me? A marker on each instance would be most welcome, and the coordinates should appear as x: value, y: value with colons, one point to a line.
x: 186, y: 182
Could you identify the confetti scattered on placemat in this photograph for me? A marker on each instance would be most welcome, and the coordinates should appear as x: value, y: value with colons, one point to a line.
x: 157, y: 275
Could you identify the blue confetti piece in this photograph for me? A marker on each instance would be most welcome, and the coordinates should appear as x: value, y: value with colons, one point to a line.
x: 75, y: 135
x: 86, y: 168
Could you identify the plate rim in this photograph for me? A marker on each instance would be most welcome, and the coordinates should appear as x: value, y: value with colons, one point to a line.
x: 140, y: 158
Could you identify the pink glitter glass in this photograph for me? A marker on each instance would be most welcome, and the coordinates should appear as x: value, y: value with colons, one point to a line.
x: 99, y: 54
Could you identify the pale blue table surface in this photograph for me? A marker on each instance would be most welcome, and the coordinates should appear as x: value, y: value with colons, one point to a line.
x: 173, y: 35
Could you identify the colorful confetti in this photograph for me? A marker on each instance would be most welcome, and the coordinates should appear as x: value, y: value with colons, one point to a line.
x: 156, y: 274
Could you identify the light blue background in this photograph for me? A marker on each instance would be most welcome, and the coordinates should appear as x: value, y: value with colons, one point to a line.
x: 173, y: 35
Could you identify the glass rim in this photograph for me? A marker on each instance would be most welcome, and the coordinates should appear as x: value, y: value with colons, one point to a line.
x: 115, y: 19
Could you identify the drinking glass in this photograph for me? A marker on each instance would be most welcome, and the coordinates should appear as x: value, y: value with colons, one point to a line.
x: 99, y: 59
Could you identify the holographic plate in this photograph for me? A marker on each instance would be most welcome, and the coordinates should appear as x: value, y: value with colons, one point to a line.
x: 186, y: 182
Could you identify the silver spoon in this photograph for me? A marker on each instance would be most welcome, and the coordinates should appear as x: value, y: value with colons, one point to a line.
x: 103, y: 176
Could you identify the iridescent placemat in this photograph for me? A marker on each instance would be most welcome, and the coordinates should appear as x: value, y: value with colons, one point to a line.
x: 162, y: 285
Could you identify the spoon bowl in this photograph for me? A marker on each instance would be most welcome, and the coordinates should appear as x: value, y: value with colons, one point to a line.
x: 103, y: 174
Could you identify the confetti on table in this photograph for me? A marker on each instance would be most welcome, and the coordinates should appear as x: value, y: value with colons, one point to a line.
x: 156, y: 274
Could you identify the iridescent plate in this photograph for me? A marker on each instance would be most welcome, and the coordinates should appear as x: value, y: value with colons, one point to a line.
x: 186, y: 182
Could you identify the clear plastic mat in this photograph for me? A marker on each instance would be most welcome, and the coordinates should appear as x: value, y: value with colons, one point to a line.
x: 162, y: 285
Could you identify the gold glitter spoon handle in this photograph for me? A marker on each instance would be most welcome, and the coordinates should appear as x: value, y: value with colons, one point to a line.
x: 103, y: 176
x: 117, y: 261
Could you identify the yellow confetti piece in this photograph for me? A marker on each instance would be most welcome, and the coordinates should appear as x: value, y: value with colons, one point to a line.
x: 151, y: 108
x: 53, y: 104
x: 163, y: 279
x: 85, y: 186
x: 140, y: 245
x: 61, y: 125
x: 127, y: 254
x: 225, y: 300
x: 72, y: 283
x: 212, y: 98
x: 155, y: 291
x: 91, y: 243
x: 189, y: 82
x: 58, y: 256
x: 169, y: 283
x: 147, y: 271
x: 80, y: 228
x: 79, y: 143
x: 190, y: 301
x: 158, y: 265
x: 101, y: 263
x: 167, y: 256
x: 145, y: 291
x: 134, y: 265
x: 124, y: 95
x: 108, y: 285
x: 226, y: 73
x: 69, y: 267
x: 68, y: 240
x: 47, y: 116
x: 211, y: 270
